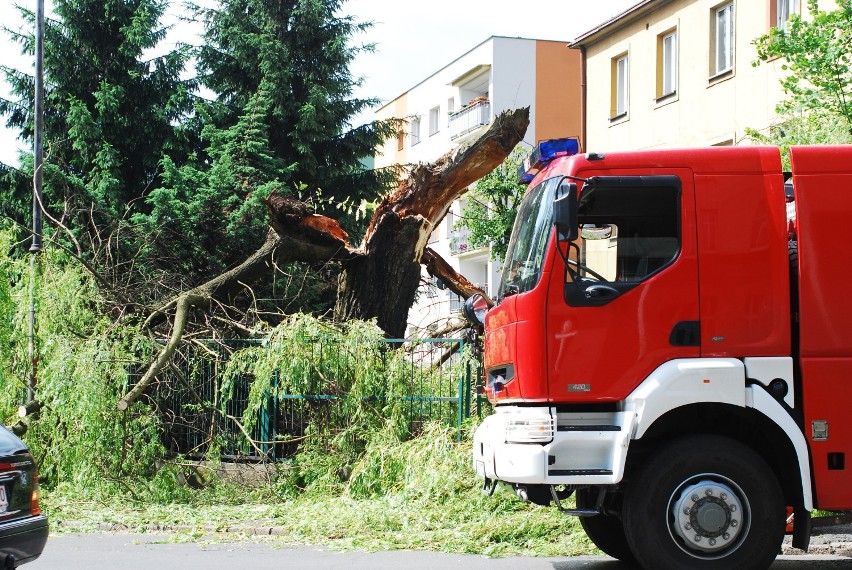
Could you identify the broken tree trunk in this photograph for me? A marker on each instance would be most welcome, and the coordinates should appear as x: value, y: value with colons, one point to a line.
x: 382, y: 283
x: 379, y: 280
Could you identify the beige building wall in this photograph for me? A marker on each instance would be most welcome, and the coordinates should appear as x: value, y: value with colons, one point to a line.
x: 394, y: 150
x: 707, y: 108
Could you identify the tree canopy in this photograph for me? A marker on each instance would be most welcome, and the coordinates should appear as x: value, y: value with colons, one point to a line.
x: 162, y: 188
x: 491, y: 207
x: 816, y: 52
x: 110, y: 108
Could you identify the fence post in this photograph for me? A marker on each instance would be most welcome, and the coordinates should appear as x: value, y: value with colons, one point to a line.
x: 273, y: 431
x: 467, y: 388
x: 461, y: 408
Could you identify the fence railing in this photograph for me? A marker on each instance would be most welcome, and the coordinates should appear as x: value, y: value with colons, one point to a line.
x: 199, y: 416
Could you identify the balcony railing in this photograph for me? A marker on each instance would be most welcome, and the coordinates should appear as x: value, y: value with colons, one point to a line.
x: 459, y: 241
x: 470, y: 118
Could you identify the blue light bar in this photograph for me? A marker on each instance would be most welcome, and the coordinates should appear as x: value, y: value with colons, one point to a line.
x: 544, y: 153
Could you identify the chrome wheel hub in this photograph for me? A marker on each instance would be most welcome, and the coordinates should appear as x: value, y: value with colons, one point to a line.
x: 708, y: 515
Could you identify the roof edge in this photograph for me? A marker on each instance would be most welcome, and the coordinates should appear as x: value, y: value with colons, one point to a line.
x: 617, y: 22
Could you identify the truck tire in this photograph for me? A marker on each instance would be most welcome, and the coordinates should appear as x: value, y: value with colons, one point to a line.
x: 605, y: 531
x: 704, y: 502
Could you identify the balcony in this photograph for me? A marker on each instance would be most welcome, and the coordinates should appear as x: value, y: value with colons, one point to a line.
x: 459, y: 241
x: 474, y: 115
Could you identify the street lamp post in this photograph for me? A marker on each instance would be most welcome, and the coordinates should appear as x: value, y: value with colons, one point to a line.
x: 38, y: 152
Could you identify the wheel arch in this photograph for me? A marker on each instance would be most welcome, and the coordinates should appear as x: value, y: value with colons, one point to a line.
x: 753, y: 428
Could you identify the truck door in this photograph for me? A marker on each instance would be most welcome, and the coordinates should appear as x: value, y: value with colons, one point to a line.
x: 628, y: 300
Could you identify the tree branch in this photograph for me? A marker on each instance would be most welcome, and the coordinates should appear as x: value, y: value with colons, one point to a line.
x: 438, y: 267
x: 275, y: 250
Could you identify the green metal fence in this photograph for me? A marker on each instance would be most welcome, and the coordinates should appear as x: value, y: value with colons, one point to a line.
x: 198, y: 418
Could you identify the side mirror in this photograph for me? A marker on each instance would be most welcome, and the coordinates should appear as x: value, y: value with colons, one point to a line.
x: 474, y: 309
x: 565, y: 212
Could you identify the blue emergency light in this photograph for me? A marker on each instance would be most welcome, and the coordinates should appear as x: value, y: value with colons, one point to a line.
x: 543, y: 153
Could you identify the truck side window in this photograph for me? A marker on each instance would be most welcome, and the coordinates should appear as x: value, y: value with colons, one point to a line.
x: 629, y: 232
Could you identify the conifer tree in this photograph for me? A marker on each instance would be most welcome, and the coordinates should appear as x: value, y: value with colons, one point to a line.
x: 110, y: 109
x: 301, y: 50
x: 280, y: 122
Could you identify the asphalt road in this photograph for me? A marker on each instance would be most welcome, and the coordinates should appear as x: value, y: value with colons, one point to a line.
x: 119, y: 551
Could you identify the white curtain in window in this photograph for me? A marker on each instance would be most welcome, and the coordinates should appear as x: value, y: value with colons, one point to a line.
x: 725, y: 38
x: 670, y: 63
x: 621, y: 86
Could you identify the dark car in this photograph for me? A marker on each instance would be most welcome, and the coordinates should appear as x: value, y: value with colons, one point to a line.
x: 23, y: 528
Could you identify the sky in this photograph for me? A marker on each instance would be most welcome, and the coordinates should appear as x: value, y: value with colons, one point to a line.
x: 414, y: 38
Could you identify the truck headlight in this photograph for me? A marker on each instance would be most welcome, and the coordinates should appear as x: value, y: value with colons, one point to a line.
x: 529, y: 430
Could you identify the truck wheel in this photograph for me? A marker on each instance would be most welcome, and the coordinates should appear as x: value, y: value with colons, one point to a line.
x: 607, y: 532
x: 704, y: 502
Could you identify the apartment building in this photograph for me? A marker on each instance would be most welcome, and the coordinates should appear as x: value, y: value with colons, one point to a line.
x: 456, y: 104
x: 679, y: 73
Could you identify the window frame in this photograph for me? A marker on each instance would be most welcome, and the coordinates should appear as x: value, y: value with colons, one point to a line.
x: 620, y: 82
x: 414, y: 130
x: 783, y: 10
x: 724, y: 39
x: 667, y: 64
x: 434, y: 120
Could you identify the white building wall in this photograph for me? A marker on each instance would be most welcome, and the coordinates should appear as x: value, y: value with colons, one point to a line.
x: 514, y: 79
x: 504, y: 69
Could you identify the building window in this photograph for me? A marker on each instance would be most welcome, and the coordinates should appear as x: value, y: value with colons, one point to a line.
x: 723, y: 37
x: 667, y: 64
x: 415, y: 130
x: 434, y: 118
x: 400, y: 139
x: 618, y: 102
x: 783, y: 10
x: 451, y: 108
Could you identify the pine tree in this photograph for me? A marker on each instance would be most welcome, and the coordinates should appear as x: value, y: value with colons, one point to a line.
x: 302, y: 50
x: 280, y: 122
x: 110, y: 109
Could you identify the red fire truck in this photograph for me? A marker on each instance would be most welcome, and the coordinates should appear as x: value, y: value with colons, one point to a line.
x: 674, y: 351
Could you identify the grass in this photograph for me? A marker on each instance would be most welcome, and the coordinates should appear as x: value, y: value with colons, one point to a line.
x: 419, y: 494
x: 346, y: 524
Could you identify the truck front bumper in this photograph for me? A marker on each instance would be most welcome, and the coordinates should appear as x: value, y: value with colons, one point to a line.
x: 586, y: 449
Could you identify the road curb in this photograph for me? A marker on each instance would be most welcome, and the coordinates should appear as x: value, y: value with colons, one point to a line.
x: 827, y: 542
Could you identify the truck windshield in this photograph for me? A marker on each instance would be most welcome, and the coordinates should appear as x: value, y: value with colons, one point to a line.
x: 533, y: 226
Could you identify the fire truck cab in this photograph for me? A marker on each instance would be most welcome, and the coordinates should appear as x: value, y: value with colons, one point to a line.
x: 667, y: 351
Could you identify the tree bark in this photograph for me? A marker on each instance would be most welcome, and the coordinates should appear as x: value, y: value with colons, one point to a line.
x: 382, y: 284
x: 380, y: 279
x: 437, y: 266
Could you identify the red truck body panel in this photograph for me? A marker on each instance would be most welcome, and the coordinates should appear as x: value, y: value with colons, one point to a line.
x: 823, y: 181
x: 731, y: 275
x: 743, y: 260
x: 733, y: 211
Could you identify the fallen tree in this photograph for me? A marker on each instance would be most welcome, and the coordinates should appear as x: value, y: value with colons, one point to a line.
x: 378, y: 279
